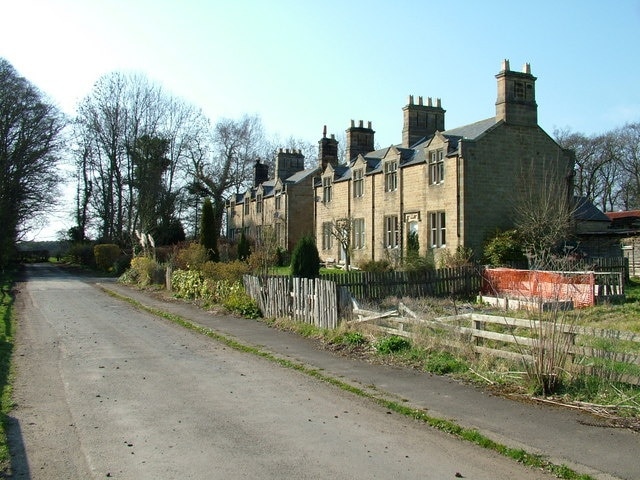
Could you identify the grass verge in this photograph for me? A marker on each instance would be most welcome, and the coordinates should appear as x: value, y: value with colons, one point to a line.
x: 447, y: 426
x: 6, y: 349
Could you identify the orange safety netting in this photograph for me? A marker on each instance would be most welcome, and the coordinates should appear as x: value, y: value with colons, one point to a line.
x: 553, y: 286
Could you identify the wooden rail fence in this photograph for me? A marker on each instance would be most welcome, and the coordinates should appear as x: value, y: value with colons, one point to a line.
x: 480, y: 330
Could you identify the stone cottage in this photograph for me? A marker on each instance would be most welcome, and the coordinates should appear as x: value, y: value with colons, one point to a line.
x: 440, y: 189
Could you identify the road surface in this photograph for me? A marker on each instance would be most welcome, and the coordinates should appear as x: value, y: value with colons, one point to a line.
x: 103, y: 390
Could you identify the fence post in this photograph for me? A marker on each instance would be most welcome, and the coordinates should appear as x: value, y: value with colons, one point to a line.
x: 478, y: 325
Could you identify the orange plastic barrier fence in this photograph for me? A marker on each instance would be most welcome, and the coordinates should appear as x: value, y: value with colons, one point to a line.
x: 555, y: 286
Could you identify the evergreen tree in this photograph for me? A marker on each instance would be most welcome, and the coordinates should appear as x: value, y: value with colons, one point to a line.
x: 243, y: 247
x: 207, y: 230
x: 305, y: 260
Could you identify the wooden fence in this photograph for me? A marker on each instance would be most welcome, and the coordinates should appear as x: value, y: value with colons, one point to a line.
x: 495, y: 335
x: 317, y: 301
x: 369, y: 286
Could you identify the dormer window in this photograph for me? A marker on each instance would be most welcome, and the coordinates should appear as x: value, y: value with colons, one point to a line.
x: 246, y: 206
x: 259, y: 203
x: 391, y: 176
x: 358, y: 182
x: 327, y: 183
x: 436, y: 167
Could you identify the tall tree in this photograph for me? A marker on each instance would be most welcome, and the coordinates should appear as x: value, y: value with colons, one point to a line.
x: 149, y: 157
x: 30, y: 146
x: 208, y: 238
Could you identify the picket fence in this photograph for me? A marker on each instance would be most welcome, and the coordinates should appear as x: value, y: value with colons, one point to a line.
x: 316, y: 301
x: 370, y: 286
x: 494, y: 335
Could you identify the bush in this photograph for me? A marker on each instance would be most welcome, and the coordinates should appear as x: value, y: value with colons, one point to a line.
x: 241, y: 303
x: 375, y: 266
x: 229, y: 271
x: 191, y: 257
x: 145, y: 271
x: 188, y: 284
x: 122, y: 264
x: 392, y: 344
x: 106, y: 255
x: 504, y: 249
x: 305, y: 260
x: 82, y: 254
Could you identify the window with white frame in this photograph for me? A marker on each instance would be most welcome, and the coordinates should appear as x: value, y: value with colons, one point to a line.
x: 436, y: 167
x: 391, y: 232
x: 327, y: 183
x: 391, y: 176
x: 327, y: 237
x: 437, y: 229
x: 358, y: 182
x: 358, y: 233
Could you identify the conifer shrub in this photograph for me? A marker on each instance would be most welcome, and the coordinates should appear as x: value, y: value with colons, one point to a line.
x: 244, y: 249
x: 305, y: 260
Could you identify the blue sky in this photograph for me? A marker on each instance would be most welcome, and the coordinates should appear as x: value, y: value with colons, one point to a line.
x: 300, y: 65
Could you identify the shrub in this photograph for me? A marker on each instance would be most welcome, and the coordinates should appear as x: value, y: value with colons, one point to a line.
x: 191, y: 257
x: 461, y: 257
x: 145, y: 271
x: 392, y: 344
x: 229, y: 271
x: 82, y: 254
x: 122, y: 264
x: 419, y: 264
x: 106, y: 255
x: 503, y: 249
x: 188, y: 284
x: 305, y: 260
x: 375, y: 266
x: 240, y: 302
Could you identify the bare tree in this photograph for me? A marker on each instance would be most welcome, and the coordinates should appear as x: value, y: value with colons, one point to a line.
x: 543, y: 213
x: 111, y: 120
x: 30, y: 146
x: 235, y: 146
x: 629, y: 143
x: 342, y: 231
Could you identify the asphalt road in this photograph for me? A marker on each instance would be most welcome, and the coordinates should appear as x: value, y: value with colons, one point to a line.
x: 103, y: 390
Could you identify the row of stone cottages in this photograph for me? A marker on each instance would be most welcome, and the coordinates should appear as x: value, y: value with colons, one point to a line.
x: 445, y: 188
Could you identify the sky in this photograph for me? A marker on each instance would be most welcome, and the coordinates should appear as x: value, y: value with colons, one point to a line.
x: 300, y: 65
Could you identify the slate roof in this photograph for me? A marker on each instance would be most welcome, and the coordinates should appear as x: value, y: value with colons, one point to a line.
x: 471, y: 131
x: 587, y: 211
